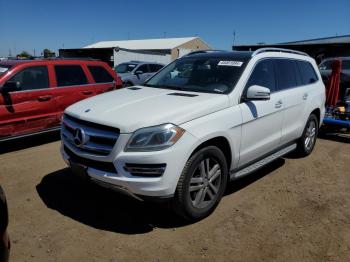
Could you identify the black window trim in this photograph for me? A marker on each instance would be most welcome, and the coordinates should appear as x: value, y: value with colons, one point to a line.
x: 100, y: 83
x: 295, y: 59
x: 71, y: 86
x: 33, y: 90
x: 241, y: 100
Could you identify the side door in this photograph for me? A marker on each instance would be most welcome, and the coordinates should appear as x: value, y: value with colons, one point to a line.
x: 104, y: 81
x: 71, y: 86
x: 262, y: 119
x: 29, y: 108
x: 294, y: 79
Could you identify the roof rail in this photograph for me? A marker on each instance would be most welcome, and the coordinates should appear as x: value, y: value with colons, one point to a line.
x: 281, y: 50
x: 203, y: 52
x: 72, y: 58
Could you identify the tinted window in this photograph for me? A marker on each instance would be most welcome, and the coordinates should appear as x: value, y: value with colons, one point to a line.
x: 143, y: 68
x: 70, y: 75
x: 155, y: 67
x: 30, y: 78
x: 263, y: 75
x: 100, y: 74
x: 285, y: 72
x: 308, y: 74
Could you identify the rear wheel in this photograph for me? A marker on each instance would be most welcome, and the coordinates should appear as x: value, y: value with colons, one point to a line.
x: 307, y: 141
x: 202, y: 184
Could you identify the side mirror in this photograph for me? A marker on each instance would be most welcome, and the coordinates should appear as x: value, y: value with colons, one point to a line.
x: 138, y: 72
x: 10, y: 86
x: 256, y: 92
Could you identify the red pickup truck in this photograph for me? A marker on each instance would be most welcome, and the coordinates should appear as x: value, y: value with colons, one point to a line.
x: 34, y: 93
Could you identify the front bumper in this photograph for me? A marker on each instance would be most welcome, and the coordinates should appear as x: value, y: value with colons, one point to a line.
x: 141, y: 187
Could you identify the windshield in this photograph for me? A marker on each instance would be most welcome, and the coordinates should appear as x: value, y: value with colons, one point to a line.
x: 200, y: 74
x: 4, y: 69
x: 124, y: 68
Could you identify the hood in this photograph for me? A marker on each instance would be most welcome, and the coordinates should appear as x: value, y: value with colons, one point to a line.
x: 132, y: 108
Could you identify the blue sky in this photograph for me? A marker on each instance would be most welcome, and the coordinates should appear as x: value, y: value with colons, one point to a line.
x: 53, y: 24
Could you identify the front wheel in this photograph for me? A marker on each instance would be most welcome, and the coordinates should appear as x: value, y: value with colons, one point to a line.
x: 307, y: 141
x: 201, y: 184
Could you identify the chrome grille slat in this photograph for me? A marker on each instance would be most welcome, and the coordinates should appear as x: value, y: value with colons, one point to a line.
x: 99, y: 141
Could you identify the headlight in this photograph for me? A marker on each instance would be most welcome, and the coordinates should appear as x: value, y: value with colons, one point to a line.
x: 154, y: 138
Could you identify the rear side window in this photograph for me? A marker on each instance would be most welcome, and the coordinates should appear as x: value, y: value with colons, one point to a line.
x: 308, y: 74
x: 286, y: 74
x: 100, y: 74
x: 263, y: 75
x: 32, y: 78
x: 70, y: 75
x: 155, y: 67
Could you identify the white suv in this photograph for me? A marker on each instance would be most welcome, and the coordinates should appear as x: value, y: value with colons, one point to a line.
x: 205, y: 119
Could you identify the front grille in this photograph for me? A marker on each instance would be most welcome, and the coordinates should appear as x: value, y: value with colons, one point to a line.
x: 99, y: 165
x: 145, y: 170
x: 89, y: 137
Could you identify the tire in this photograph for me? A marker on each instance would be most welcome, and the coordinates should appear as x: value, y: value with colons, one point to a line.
x: 200, y: 188
x: 307, y: 141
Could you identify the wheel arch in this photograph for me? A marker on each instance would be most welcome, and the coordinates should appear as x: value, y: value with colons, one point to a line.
x: 220, y: 142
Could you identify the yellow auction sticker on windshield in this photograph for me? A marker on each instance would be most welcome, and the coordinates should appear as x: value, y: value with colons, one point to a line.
x: 230, y: 63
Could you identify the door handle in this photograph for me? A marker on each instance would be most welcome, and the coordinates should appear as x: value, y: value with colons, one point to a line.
x: 87, y: 92
x: 305, y: 96
x: 44, y: 98
x: 278, y: 104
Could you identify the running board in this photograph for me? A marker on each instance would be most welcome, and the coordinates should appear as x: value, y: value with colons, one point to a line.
x: 263, y: 162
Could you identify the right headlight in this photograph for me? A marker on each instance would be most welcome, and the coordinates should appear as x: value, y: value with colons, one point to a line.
x: 154, y: 138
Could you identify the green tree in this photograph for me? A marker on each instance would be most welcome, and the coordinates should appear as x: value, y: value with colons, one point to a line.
x: 24, y: 54
x: 48, y: 53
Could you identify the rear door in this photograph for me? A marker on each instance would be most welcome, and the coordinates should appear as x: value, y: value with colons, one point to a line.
x: 30, y: 109
x: 294, y: 80
x: 262, y: 120
x: 103, y: 79
x: 71, y: 86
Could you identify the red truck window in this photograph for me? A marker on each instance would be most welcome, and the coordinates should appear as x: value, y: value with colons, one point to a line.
x: 100, y: 74
x: 30, y: 78
x: 70, y: 75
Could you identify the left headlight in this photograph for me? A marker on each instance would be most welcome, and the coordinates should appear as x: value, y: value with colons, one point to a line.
x: 154, y: 138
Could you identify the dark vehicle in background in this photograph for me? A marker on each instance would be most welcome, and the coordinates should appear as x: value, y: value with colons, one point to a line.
x: 326, y: 71
x: 4, y: 238
x: 34, y: 93
x: 136, y: 72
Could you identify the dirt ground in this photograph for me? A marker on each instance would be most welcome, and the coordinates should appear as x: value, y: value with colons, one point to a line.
x: 292, y: 210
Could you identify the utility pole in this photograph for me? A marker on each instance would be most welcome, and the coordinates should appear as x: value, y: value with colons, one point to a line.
x: 10, y: 52
x: 234, y: 37
x: 164, y: 34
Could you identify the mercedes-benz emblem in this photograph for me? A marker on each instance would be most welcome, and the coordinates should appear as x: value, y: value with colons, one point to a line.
x: 80, y: 138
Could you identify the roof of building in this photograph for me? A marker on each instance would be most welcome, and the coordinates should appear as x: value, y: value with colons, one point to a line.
x: 144, y: 44
x: 344, y: 39
x: 324, y: 40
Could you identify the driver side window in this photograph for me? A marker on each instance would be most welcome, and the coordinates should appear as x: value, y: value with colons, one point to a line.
x: 263, y: 75
x: 31, y: 78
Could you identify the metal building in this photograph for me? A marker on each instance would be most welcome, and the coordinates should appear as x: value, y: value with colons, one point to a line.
x: 162, y: 50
